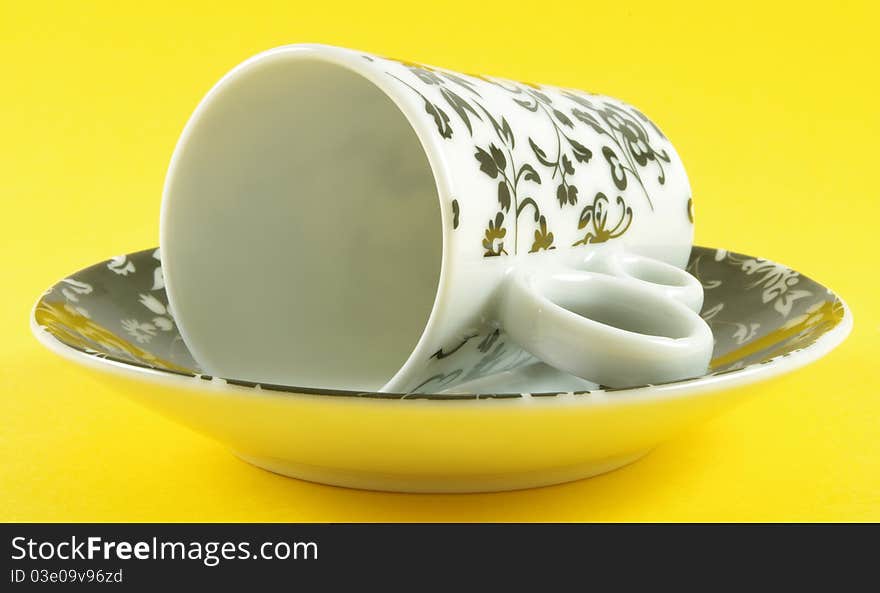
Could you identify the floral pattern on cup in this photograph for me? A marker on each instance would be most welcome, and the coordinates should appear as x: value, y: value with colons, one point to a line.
x: 523, y: 167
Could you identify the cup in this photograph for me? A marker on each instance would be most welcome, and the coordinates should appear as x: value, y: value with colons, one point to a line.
x: 340, y: 220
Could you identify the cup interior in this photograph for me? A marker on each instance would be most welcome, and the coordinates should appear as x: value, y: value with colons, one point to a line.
x: 300, y: 232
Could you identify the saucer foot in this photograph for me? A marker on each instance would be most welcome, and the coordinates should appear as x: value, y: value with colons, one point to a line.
x: 437, y: 483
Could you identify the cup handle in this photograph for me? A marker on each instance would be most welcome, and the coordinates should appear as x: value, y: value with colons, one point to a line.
x: 614, y: 324
x: 660, y: 277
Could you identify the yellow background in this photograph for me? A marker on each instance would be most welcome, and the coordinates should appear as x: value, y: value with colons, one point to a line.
x: 773, y: 108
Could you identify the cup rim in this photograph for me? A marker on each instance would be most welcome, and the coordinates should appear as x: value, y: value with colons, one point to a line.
x: 359, y: 63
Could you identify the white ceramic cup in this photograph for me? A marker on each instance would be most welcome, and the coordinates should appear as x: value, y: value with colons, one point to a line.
x: 335, y: 219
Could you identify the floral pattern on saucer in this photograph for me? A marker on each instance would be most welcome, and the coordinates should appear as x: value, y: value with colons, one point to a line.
x: 758, y: 310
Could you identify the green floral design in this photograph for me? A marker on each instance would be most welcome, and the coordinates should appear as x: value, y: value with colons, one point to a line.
x: 594, y: 218
x: 493, y: 241
x: 561, y: 164
x: 568, y: 150
x: 496, y: 355
x: 499, y: 164
x: 759, y: 312
x: 543, y: 239
x: 626, y: 131
x: 495, y: 160
x: 438, y: 78
x: 628, y: 151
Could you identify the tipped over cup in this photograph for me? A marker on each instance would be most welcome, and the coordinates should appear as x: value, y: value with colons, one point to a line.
x: 341, y: 220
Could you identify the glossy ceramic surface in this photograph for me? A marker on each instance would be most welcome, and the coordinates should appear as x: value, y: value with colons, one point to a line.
x: 399, y: 197
x: 113, y: 319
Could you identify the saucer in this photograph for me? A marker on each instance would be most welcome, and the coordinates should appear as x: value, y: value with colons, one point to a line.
x: 518, y: 429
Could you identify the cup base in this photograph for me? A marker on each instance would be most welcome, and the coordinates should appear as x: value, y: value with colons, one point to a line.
x: 440, y: 483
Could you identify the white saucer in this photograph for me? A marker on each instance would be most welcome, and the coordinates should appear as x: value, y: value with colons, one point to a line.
x: 517, y: 429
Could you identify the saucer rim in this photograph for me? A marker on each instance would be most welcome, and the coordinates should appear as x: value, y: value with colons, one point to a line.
x: 710, y: 383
